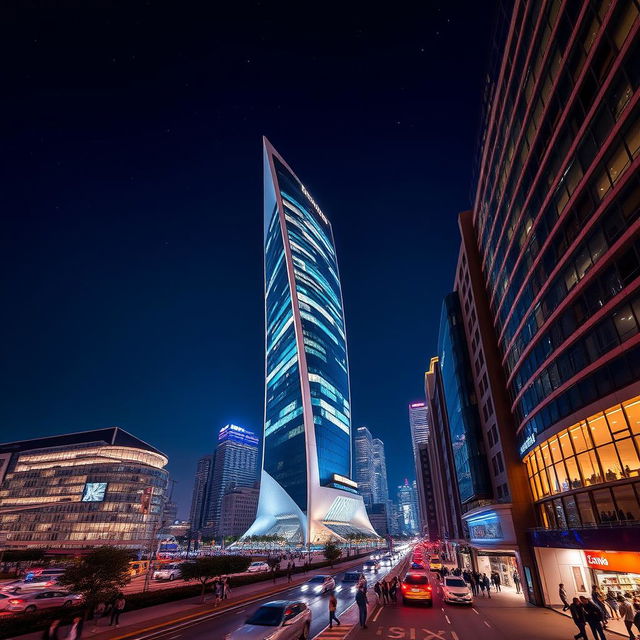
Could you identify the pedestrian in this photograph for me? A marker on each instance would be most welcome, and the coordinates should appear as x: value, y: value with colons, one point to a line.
x: 593, y: 616
x: 116, y: 610
x: 378, y: 591
x: 75, y: 631
x: 636, y: 615
x: 627, y: 613
x: 481, y: 586
x: 226, y: 587
x: 612, y: 603
x: 597, y: 598
x: 562, y: 592
x: 273, y: 573
x: 577, y: 613
x: 361, y: 601
x: 52, y: 631
x: 385, y: 591
x: 333, y: 605
x: 487, y: 584
x: 98, y: 612
x: 393, y: 590
x: 289, y: 570
x: 496, y: 580
x: 516, y: 581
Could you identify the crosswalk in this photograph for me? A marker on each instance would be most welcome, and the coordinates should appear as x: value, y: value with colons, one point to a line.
x: 337, y: 633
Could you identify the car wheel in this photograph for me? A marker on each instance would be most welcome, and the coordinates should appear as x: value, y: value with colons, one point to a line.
x: 305, y: 632
x: 30, y: 609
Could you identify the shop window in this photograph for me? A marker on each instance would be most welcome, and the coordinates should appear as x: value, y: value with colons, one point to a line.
x: 628, y: 457
x: 544, y: 518
x: 581, y: 437
x: 565, y: 444
x: 571, y: 512
x: 556, y: 454
x: 627, y: 503
x: 589, y: 468
x: 549, y: 515
x: 546, y: 455
x: 599, y: 429
x: 573, y: 472
x: 561, y: 521
x: 563, y: 478
x: 604, y: 506
x: 610, y: 463
x: 586, y: 510
x: 538, y: 487
x: 544, y: 482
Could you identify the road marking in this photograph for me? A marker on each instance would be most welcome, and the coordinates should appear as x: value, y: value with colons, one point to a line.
x: 176, y: 636
x: 475, y: 611
x: 454, y: 635
x: 446, y: 617
x: 488, y: 625
x: 378, y: 612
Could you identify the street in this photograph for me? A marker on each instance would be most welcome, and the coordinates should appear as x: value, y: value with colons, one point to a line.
x: 505, y: 615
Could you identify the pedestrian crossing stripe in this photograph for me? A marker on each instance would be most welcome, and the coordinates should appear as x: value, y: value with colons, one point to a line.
x: 339, y: 631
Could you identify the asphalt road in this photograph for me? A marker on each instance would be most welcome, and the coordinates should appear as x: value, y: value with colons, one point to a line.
x: 217, y: 627
x: 505, y: 616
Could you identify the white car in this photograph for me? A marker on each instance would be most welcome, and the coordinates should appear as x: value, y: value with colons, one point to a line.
x: 167, y: 572
x: 257, y: 566
x: 30, y: 602
x: 456, y: 590
x: 38, y: 583
x: 278, y: 620
x: 319, y: 584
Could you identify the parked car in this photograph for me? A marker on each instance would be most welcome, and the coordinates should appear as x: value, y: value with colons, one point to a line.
x: 30, y: 602
x: 167, y: 572
x: 257, y: 566
x: 415, y: 587
x: 277, y: 620
x: 4, y: 601
x: 319, y: 584
x: 350, y: 581
x: 456, y: 590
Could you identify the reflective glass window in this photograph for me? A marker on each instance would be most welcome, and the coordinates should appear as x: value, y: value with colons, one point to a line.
x: 599, y: 429
x: 589, y: 468
x: 605, y: 508
x: 562, y: 476
x: 627, y: 502
x: 571, y: 512
x: 580, y: 437
x: 565, y: 444
x: 609, y: 462
x: 573, y: 472
x: 632, y: 410
x: 559, y: 512
x: 584, y: 507
x: 628, y: 457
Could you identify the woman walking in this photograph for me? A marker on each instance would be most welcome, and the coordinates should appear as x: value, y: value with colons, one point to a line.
x: 333, y: 605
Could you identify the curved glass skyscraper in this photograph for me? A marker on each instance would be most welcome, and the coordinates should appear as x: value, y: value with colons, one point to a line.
x: 306, y: 492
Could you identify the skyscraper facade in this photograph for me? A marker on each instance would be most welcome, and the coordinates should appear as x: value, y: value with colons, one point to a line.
x: 380, y: 487
x: 555, y: 220
x: 234, y: 465
x: 419, y: 425
x: 407, y: 508
x: 201, y: 491
x: 307, y: 493
x: 364, y: 464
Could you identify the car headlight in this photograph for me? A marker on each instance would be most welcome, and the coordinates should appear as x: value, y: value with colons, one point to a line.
x: 339, y: 588
x: 353, y: 589
x: 304, y: 587
x: 318, y: 589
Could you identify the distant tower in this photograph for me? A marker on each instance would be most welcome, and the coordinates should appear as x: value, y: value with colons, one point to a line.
x: 408, y: 508
x: 419, y: 425
x: 380, y: 489
x: 235, y: 465
x: 364, y: 464
x: 200, y: 496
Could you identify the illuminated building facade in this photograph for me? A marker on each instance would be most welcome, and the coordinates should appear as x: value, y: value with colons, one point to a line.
x: 102, y: 487
x: 364, y: 471
x: 557, y: 226
x: 306, y: 491
x: 418, y: 425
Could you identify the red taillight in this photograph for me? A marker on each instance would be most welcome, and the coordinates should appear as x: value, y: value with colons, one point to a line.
x: 429, y: 588
x: 15, y: 601
x: 403, y: 587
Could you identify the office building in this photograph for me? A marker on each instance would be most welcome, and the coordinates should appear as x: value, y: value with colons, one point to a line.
x: 427, y: 512
x: 239, y: 506
x: 234, y: 465
x: 169, y: 513
x: 200, y: 497
x: 407, y: 509
x: 379, y: 518
x: 306, y: 489
x: 418, y: 425
x: 380, y: 486
x: 364, y: 464
x: 100, y: 487
x: 555, y: 221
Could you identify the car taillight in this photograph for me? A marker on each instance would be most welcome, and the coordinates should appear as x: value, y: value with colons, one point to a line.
x: 15, y: 601
x: 403, y: 586
x: 429, y: 588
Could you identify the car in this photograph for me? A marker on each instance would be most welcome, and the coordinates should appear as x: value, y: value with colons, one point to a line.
x: 371, y: 565
x: 386, y: 560
x: 415, y: 587
x: 36, y: 583
x: 417, y: 566
x: 435, y: 564
x: 319, y: 584
x: 277, y: 620
x: 350, y: 581
x: 4, y: 600
x: 456, y: 590
x: 169, y: 572
x: 30, y: 602
x: 257, y: 566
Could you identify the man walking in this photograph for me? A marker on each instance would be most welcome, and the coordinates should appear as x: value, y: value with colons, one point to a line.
x: 333, y: 605
x: 289, y: 570
x: 563, y: 596
x: 116, y: 610
x: 627, y: 613
x: 577, y: 613
x: 487, y: 584
x: 516, y: 581
x: 593, y: 616
x: 361, y: 601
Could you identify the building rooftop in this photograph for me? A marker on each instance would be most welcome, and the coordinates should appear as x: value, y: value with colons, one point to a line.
x: 109, y: 436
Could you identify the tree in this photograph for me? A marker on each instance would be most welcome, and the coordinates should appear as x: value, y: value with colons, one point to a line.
x: 98, y: 576
x: 206, y: 568
x: 332, y: 552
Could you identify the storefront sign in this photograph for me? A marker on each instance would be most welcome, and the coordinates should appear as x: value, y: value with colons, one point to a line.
x: 624, y: 561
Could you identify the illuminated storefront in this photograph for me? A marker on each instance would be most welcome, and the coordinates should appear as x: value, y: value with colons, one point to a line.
x: 76, y: 490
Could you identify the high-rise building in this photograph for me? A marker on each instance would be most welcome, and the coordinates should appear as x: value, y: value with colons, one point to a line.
x: 419, y: 425
x: 426, y: 496
x: 364, y: 464
x: 238, y: 511
x: 201, y: 493
x: 554, y: 221
x: 408, y: 508
x: 169, y: 513
x: 380, y: 488
x: 379, y: 518
x: 234, y: 465
x: 100, y: 487
x: 306, y: 490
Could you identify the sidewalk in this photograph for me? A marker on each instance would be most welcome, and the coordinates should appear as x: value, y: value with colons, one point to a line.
x: 613, y: 626
x: 155, y: 617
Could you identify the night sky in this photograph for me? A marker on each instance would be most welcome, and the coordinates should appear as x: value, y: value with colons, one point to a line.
x: 132, y: 280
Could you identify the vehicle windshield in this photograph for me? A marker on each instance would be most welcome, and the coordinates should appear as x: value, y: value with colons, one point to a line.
x: 455, y: 582
x: 351, y: 577
x: 318, y: 579
x: 415, y: 579
x: 267, y: 616
x: 435, y: 559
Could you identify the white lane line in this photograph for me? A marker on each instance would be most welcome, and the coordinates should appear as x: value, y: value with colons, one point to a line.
x: 176, y: 636
x: 442, y: 609
x: 454, y: 635
x: 475, y: 611
x: 378, y: 612
x: 446, y: 617
x: 488, y: 625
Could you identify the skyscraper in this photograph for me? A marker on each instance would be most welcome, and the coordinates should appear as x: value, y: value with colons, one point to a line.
x: 419, y: 425
x: 234, y: 465
x: 306, y: 491
x: 363, y: 449
x: 380, y: 488
x: 200, y: 496
x: 407, y: 505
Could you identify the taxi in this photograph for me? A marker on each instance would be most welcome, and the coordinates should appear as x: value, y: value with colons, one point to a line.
x: 435, y: 564
x: 415, y: 587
